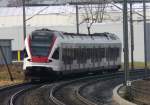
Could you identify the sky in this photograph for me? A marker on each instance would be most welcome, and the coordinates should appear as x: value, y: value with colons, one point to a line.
x: 5, y: 3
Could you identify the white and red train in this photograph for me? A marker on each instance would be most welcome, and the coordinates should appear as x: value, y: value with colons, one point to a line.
x: 52, y: 52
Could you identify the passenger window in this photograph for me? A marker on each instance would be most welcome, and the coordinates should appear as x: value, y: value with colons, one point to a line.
x: 64, y: 54
x: 56, y: 54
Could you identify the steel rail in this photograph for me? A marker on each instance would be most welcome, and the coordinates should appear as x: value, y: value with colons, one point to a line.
x: 59, y: 86
x: 81, y: 98
x: 88, y: 102
x: 20, y: 92
x: 13, y: 86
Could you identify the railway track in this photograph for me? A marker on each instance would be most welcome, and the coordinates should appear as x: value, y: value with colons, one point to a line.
x: 7, y: 92
x: 16, y: 95
x: 73, y: 92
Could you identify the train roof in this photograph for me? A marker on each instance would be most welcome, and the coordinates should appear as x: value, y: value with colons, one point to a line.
x: 78, y: 38
x: 105, y: 34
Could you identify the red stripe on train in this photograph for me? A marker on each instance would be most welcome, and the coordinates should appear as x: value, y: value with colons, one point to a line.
x: 40, y: 59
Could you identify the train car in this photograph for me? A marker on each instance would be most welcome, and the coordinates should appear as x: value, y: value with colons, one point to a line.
x: 51, y: 52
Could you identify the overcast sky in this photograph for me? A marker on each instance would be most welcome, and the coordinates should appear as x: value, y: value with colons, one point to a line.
x: 5, y: 3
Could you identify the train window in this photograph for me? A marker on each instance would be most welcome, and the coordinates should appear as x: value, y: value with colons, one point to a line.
x: 42, y: 36
x: 117, y: 52
x: 56, y: 54
x: 64, y: 51
x: 67, y: 55
x: 92, y: 54
x: 112, y: 53
x: 70, y: 55
x: 89, y: 53
x: 82, y: 55
x: 96, y: 54
x: 75, y: 55
x: 101, y: 53
x: 86, y: 54
x: 78, y: 55
x: 107, y: 54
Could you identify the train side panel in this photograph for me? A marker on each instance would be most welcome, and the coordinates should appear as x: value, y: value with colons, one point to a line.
x: 81, y: 58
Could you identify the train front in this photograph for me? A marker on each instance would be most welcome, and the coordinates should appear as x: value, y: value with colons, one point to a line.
x: 37, y: 64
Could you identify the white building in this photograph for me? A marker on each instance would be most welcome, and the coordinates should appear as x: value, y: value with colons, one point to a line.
x: 63, y: 18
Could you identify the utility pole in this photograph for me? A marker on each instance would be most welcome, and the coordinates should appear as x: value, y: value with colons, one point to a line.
x: 125, y: 39
x: 24, y: 18
x: 145, y: 39
x: 24, y: 22
x: 77, y: 18
x: 132, y: 36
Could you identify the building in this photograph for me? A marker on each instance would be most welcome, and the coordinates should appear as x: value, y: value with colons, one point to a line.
x: 63, y: 18
x: 5, y: 51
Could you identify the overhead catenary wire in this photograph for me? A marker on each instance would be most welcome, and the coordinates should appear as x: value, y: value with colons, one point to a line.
x: 37, y: 13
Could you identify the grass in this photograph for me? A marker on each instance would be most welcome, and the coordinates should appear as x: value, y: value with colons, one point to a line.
x: 137, y: 65
x: 17, y: 74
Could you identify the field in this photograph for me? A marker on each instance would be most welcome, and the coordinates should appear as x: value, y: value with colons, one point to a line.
x: 137, y: 65
x: 17, y: 74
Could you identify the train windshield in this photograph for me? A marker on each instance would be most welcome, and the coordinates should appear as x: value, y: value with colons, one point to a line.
x: 40, y: 44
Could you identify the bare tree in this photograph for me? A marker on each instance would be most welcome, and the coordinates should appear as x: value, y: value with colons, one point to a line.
x: 93, y: 12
